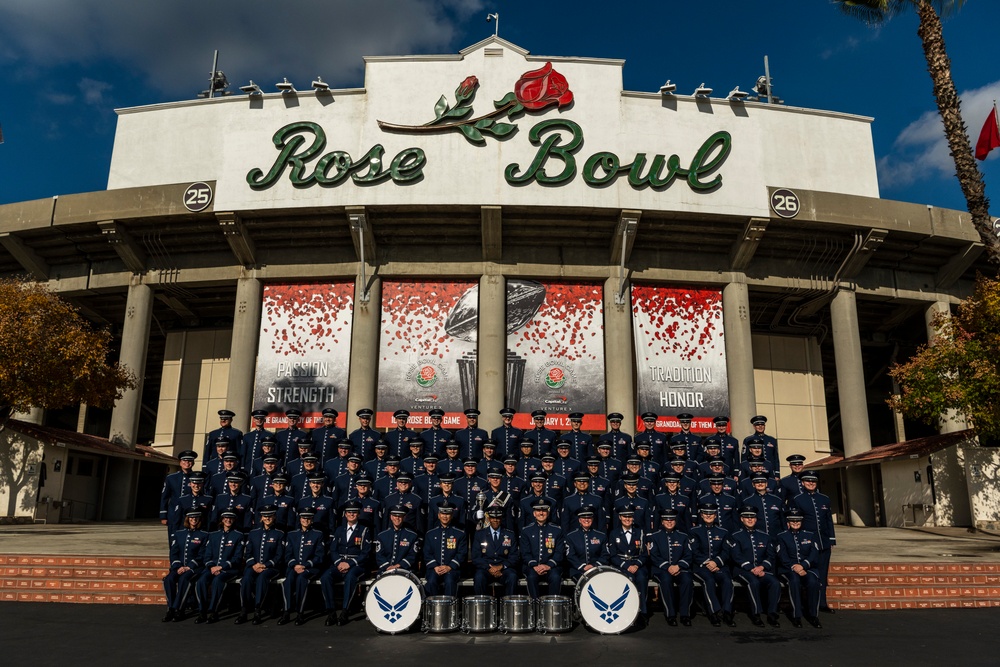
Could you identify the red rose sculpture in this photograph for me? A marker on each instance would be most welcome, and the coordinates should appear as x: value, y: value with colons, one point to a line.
x: 541, y: 88
x: 466, y: 88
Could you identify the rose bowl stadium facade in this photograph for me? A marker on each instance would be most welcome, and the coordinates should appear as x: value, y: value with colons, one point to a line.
x: 491, y: 229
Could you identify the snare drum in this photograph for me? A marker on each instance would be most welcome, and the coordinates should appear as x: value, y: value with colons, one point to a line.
x: 555, y: 613
x: 440, y: 613
x: 393, y: 601
x: 517, y: 614
x: 479, y: 614
x: 608, y: 601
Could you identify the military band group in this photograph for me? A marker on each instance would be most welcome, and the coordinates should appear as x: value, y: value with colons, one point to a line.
x: 498, y: 507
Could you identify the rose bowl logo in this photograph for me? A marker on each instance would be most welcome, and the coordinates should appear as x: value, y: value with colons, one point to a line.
x: 555, y: 378
x: 427, y: 376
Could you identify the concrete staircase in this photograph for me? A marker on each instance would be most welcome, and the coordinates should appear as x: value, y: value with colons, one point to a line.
x: 136, y: 580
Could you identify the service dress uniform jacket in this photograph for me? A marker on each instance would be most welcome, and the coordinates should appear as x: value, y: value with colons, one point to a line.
x: 308, y: 549
x: 583, y: 548
x: 489, y: 551
x: 187, y: 549
x: 542, y: 545
x: 627, y: 549
x: 266, y: 547
x: 397, y: 547
x: 224, y: 549
x: 353, y: 546
x: 668, y: 548
x: 711, y: 543
x: 444, y: 546
x: 749, y: 550
x: 799, y: 548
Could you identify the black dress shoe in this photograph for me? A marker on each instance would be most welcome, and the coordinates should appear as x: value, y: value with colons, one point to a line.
x: 285, y: 619
x: 640, y: 622
x: 258, y: 618
x: 796, y: 622
x: 300, y: 619
x: 213, y: 617
x: 241, y: 619
x: 331, y: 619
x: 813, y: 621
x: 178, y: 616
x: 827, y: 610
x: 772, y: 620
x: 755, y: 619
x: 202, y: 618
x: 714, y: 618
x: 686, y: 621
x: 728, y: 617
x: 342, y: 619
x: 169, y: 616
x: 672, y: 621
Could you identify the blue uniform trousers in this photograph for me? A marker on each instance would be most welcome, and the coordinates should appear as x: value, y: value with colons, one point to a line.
x: 253, y: 586
x: 810, y: 583
x: 209, y: 588
x: 442, y: 584
x: 177, y: 586
x: 768, y: 584
x: 717, y: 587
x: 350, y: 579
x: 295, y: 587
x: 553, y: 578
x: 481, y: 581
x: 685, y: 591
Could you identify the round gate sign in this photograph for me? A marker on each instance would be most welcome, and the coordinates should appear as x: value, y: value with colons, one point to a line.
x: 785, y: 203
x: 197, y: 197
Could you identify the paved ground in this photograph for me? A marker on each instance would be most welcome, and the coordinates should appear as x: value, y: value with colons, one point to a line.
x: 56, y: 634
x: 902, y: 545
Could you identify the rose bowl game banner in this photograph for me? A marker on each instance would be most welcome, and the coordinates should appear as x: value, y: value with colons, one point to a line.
x: 680, y: 355
x: 305, y: 350
x: 428, y: 353
x: 555, y: 352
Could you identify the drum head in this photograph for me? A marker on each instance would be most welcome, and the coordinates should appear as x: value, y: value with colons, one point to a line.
x: 393, y: 602
x: 608, y: 601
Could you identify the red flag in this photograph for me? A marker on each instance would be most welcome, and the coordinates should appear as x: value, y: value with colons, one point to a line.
x: 989, y: 138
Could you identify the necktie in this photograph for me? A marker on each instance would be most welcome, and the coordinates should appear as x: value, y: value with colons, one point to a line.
x: 496, y: 538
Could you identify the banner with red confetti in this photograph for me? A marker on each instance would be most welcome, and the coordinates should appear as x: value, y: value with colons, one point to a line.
x: 555, y: 352
x: 428, y: 357
x: 680, y: 355
x: 305, y: 350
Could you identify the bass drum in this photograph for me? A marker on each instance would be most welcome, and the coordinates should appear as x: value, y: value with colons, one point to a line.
x: 607, y: 600
x: 393, y: 601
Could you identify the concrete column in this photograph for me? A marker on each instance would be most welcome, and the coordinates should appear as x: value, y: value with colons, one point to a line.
x: 950, y: 420
x: 739, y: 354
x: 853, y: 404
x: 363, y: 381
x: 492, y: 336
x: 243, y: 350
x: 618, y: 361
x: 135, y: 342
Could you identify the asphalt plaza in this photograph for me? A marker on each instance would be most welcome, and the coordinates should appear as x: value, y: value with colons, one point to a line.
x: 54, y: 634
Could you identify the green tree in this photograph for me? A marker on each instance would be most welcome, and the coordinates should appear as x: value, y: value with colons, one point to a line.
x: 960, y: 368
x: 50, y: 356
x: 877, y: 12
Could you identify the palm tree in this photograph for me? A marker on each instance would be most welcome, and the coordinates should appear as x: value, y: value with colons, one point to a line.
x: 877, y: 12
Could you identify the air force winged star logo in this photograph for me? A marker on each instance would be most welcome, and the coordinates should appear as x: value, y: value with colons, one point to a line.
x: 393, y: 612
x: 609, y: 612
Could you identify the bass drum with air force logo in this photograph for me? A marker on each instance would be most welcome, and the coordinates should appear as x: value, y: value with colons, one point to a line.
x: 393, y: 601
x: 607, y: 600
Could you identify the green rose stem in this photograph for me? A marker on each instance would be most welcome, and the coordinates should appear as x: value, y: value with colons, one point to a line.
x: 427, y: 128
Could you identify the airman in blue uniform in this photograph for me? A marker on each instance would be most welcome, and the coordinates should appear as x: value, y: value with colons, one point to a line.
x: 650, y: 467
x: 621, y: 443
x: 404, y: 497
x: 729, y: 446
x: 644, y: 487
x: 371, y: 508
x: 365, y: 437
x: 565, y: 465
x: 555, y: 484
x: 710, y: 556
x: 497, y: 497
x: 289, y: 437
x: 261, y: 485
x: 791, y: 484
x: 528, y: 464
x: 233, y: 500
x: 657, y: 440
x: 754, y: 460
x: 226, y: 431
x: 414, y: 461
x: 223, y: 563
x: 268, y: 448
x: 228, y: 464
x: 265, y: 552
x: 507, y: 436
x: 489, y: 461
x: 817, y: 511
x: 670, y: 557
x: 325, y: 438
x: 397, y: 547
x: 586, y: 547
x: 757, y: 469
x: 250, y: 446
x: 471, y: 438
x: 197, y: 500
x: 445, y: 549
x: 222, y: 446
x: 174, y: 487
x: 610, y: 468
x: 375, y: 467
x: 627, y: 553
x: 386, y: 484
x: 345, y: 485
x: 187, y: 561
x: 715, y: 471
x: 600, y: 486
x: 770, y: 508
x: 726, y: 505
x: 674, y: 500
x: 542, y: 552
x: 322, y: 506
x: 495, y: 555
x: 399, y: 437
x: 469, y: 486
x: 542, y: 438
x: 350, y: 557
x: 283, y: 503
x: 451, y: 462
x: 433, y: 439
x: 759, y: 423
x: 574, y: 502
x: 581, y: 444
x: 754, y: 560
x: 691, y: 441
x: 448, y: 495
x: 295, y: 466
x: 797, y: 556
x: 305, y: 551
x: 631, y: 501
x: 299, y: 484
x: 688, y: 467
x: 535, y: 493
x: 513, y: 484
x: 337, y: 466
x: 426, y: 482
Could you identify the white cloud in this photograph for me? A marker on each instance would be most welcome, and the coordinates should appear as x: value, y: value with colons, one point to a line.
x: 171, y: 43
x: 93, y: 91
x: 921, y: 152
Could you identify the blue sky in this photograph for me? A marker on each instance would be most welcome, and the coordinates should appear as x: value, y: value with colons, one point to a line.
x: 65, y: 65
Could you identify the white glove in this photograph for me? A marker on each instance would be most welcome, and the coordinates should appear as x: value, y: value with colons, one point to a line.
x: 480, y: 514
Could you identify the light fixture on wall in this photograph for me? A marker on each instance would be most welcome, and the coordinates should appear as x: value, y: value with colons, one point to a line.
x: 252, y: 89
x: 668, y: 88
x: 702, y: 91
x: 286, y: 87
